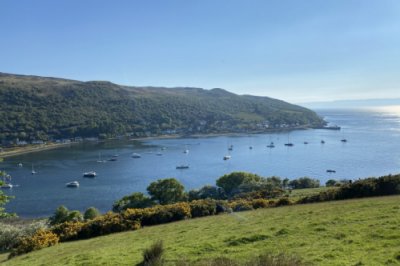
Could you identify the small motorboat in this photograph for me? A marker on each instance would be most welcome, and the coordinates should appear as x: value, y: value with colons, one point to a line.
x: 289, y: 144
x: 322, y: 141
x: 159, y: 154
x: 7, y: 186
x: 182, y: 167
x: 113, y: 158
x: 90, y: 174
x: 72, y: 184
x: 343, y: 140
x: 186, y: 151
x: 20, y: 165
x: 136, y: 155
x: 271, y: 145
x: 305, y: 142
x: 227, y: 157
x: 330, y: 171
x: 251, y: 147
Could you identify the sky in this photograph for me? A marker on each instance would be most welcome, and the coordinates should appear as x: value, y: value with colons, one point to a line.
x: 298, y: 51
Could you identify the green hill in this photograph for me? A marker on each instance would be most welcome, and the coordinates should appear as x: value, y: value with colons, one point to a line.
x: 351, y: 232
x: 41, y: 108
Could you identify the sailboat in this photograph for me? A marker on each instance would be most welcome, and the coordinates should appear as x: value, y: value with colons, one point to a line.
x: 100, y: 160
x: 289, y: 144
x: 5, y: 184
x: 33, y: 170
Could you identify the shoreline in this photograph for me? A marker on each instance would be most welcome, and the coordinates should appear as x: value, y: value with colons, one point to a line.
x: 31, y: 149
x: 43, y: 147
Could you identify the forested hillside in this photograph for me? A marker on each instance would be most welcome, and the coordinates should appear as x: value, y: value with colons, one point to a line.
x: 49, y: 108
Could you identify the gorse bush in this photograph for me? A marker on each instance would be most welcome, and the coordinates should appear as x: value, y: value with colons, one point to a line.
x: 159, y: 214
x: 200, y: 208
x: 41, y: 239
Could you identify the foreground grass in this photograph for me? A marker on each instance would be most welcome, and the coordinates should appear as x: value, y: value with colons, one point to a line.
x: 352, y: 232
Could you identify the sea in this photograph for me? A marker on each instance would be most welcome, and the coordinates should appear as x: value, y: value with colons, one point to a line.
x: 372, y: 149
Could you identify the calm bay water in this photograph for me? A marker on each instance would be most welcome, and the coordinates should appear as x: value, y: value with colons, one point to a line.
x: 373, y: 149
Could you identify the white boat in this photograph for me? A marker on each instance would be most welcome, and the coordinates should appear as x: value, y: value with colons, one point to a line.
x: 72, y: 184
x: 20, y: 165
x: 136, y: 155
x: 90, y: 174
x: 5, y: 184
x: 100, y: 160
x: 113, y: 158
x: 227, y: 157
x: 33, y: 170
x: 183, y: 166
x: 186, y: 151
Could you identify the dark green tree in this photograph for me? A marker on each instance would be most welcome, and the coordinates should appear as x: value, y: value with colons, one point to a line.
x: 135, y: 200
x: 232, y: 181
x: 91, y: 213
x: 167, y: 191
x: 331, y: 183
x: 59, y: 216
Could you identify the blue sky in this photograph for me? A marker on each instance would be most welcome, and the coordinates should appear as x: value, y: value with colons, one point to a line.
x: 299, y: 51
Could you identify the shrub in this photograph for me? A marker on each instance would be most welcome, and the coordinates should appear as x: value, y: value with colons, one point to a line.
x: 385, y: 185
x: 283, y: 202
x: 133, y: 201
x: 68, y: 230
x: 153, y: 256
x: 41, y: 239
x: 241, y: 205
x: 199, y: 208
x: 260, y: 203
x: 10, y: 234
x: 91, y: 213
x: 107, y: 224
x: 159, y: 214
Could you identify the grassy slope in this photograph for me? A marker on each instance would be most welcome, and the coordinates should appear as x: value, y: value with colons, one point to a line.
x: 334, y: 233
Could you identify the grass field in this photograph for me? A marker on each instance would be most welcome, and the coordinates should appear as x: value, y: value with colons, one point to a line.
x: 351, y: 232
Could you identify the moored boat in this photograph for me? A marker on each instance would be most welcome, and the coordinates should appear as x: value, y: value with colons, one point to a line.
x: 72, y: 184
x: 90, y: 174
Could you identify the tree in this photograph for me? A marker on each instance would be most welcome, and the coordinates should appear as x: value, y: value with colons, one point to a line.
x: 91, y: 213
x: 59, y: 216
x: 74, y: 216
x: 285, y: 182
x: 167, y: 191
x: 232, y: 181
x: 62, y: 214
x: 206, y: 192
x: 304, y: 182
x: 331, y: 183
x: 135, y: 200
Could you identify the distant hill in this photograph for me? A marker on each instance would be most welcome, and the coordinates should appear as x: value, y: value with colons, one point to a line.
x: 35, y: 107
x: 353, y: 103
